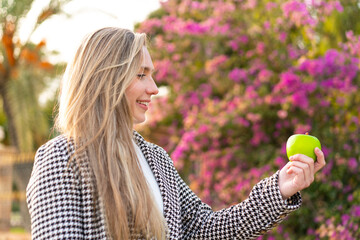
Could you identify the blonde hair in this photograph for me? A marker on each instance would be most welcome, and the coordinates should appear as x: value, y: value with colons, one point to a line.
x: 94, y: 113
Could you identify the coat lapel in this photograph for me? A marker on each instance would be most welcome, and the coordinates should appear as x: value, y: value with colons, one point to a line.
x: 167, y: 187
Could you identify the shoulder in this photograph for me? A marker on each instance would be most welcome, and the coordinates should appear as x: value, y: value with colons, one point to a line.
x: 153, y: 148
x: 51, y: 170
x: 57, y: 148
x: 159, y: 149
x: 53, y: 156
x: 58, y: 200
x: 145, y: 144
x: 59, y: 144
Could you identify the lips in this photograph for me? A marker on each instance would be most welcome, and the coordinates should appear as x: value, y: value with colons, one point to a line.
x: 145, y: 103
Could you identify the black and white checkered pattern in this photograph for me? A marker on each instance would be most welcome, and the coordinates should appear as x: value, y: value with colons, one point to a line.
x: 60, y: 200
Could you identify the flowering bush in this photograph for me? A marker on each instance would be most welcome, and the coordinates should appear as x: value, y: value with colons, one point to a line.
x: 242, y: 77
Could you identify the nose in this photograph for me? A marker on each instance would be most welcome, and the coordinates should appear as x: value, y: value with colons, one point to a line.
x: 152, y: 89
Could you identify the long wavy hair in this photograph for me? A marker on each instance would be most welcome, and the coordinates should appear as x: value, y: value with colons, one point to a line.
x: 95, y: 115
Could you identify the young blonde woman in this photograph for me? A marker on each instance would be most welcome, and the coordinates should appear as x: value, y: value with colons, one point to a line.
x: 101, y: 180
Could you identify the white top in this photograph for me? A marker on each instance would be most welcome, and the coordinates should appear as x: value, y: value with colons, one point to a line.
x: 150, y: 178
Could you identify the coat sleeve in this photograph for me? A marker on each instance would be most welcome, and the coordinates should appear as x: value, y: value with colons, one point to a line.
x: 54, y: 196
x: 261, y: 211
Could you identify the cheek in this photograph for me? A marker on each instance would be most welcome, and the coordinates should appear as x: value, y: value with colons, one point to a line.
x: 131, y: 100
x: 130, y: 92
x: 134, y: 89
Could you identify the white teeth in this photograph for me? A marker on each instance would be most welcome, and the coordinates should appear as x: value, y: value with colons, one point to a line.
x: 143, y: 103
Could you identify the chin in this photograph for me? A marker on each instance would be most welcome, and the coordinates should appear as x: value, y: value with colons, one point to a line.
x: 139, y: 120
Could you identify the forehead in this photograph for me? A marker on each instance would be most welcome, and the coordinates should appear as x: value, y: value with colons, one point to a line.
x: 147, y: 62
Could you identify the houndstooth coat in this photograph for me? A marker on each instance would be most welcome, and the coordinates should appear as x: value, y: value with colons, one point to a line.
x: 61, y: 206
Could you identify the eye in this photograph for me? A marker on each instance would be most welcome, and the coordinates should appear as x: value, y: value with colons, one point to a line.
x: 140, y: 76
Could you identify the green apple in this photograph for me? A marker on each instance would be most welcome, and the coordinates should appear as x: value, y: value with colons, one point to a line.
x: 302, y: 143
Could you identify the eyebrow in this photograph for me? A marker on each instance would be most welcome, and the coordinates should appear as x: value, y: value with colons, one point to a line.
x: 148, y: 69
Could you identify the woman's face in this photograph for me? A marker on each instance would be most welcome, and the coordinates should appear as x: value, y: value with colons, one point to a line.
x: 141, y: 89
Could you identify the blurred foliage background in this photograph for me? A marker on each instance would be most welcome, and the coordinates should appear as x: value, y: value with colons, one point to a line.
x: 25, y: 73
x: 26, y: 105
x: 241, y: 77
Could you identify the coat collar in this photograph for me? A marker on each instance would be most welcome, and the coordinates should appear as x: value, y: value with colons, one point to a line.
x: 159, y: 165
x: 150, y: 156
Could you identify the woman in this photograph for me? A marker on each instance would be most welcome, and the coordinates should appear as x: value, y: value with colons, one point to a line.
x: 100, y: 179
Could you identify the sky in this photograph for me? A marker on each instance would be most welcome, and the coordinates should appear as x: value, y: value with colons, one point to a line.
x: 64, y: 34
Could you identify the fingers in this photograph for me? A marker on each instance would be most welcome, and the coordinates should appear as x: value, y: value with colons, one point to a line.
x: 298, y: 177
x: 304, y: 169
x: 301, y: 170
x: 307, y: 162
x: 320, y: 163
x: 304, y: 174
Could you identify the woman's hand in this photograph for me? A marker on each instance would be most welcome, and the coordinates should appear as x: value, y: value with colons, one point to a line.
x: 299, y: 173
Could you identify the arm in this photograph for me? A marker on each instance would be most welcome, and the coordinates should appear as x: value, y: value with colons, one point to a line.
x: 260, y: 212
x: 54, y: 196
x: 270, y: 201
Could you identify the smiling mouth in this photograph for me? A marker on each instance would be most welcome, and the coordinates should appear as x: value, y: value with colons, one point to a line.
x: 143, y: 103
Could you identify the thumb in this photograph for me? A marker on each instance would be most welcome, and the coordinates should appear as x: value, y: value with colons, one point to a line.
x: 320, y: 163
